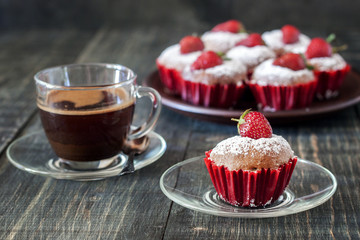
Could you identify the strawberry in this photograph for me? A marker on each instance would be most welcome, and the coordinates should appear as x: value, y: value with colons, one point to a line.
x: 290, y: 60
x: 233, y: 26
x: 207, y: 59
x: 318, y: 47
x: 190, y: 44
x: 252, y: 40
x: 253, y: 125
x: 290, y: 34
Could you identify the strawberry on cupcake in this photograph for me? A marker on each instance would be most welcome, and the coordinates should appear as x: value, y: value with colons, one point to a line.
x: 254, y: 168
x: 175, y: 58
x: 283, y: 83
x: 329, y: 67
x: 287, y: 39
x: 251, y: 51
x: 212, y: 81
x: 224, y: 36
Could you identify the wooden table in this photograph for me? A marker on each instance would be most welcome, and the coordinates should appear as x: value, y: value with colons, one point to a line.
x: 133, y: 206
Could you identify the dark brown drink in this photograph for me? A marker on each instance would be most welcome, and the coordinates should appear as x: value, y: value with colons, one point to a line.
x: 87, y: 125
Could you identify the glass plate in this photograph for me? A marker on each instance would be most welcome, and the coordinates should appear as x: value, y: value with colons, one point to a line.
x: 32, y: 153
x: 188, y: 184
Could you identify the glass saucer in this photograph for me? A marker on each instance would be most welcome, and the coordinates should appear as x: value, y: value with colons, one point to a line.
x: 32, y: 153
x: 188, y: 184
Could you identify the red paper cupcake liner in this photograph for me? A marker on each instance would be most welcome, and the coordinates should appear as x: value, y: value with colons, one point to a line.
x: 329, y: 82
x: 284, y: 97
x: 218, y: 95
x: 250, y: 188
x: 171, y: 78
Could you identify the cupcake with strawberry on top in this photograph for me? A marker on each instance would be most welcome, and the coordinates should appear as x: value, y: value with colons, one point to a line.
x: 251, y: 51
x: 254, y: 168
x: 175, y: 58
x: 287, y: 39
x: 224, y: 36
x: 212, y: 81
x: 283, y: 83
x: 329, y: 67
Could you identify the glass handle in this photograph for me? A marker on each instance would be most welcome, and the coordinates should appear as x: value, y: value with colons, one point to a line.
x: 150, y: 123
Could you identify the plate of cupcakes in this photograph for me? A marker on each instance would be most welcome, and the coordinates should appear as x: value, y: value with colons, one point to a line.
x: 283, y: 73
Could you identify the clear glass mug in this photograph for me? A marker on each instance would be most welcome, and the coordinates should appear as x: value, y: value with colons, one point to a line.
x: 87, y: 109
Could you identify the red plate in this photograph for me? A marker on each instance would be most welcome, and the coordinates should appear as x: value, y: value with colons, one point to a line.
x: 349, y: 96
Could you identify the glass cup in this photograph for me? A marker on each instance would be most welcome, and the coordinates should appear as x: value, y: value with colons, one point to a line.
x: 87, y: 110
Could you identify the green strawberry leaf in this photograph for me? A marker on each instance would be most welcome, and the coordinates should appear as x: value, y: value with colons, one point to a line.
x: 331, y: 38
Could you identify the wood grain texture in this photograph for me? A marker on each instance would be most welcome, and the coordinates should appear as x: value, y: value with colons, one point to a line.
x: 23, y: 55
x: 133, y: 206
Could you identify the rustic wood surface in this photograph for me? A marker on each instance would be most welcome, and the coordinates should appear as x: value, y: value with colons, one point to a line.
x: 133, y: 206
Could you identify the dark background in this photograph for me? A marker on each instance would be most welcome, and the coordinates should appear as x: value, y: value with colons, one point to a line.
x: 256, y: 14
x: 314, y: 18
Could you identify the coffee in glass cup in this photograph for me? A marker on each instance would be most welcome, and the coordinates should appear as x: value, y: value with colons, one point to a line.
x: 87, y: 109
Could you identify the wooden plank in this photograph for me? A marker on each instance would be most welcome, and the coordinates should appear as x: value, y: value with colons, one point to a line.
x: 25, y: 53
x: 22, y: 56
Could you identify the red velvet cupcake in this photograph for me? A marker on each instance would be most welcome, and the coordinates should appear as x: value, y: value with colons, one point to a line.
x: 252, y: 169
x: 329, y: 68
x: 175, y: 58
x: 283, y: 83
x: 213, y: 82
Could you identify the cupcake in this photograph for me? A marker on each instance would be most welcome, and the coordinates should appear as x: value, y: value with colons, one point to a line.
x: 224, y: 36
x: 283, y: 83
x: 287, y: 39
x: 175, y: 58
x: 254, y: 168
x: 213, y: 82
x: 330, y: 68
x: 251, y: 51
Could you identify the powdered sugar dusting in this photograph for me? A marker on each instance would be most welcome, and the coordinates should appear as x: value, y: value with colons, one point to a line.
x: 221, y: 41
x: 229, y: 68
x: 171, y: 57
x: 252, y: 154
x: 251, y: 56
x: 228, y: 72
x: 274, y: 40
x: 335, y: 62
x: 268, y: 74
